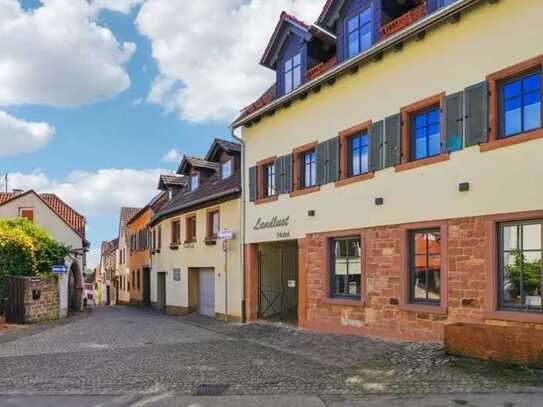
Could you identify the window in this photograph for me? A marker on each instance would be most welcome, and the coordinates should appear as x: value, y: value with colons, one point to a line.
x: 521, y: 104
x: 309, y: 169
x: 154, y: 240
x: 176, y: 232
x: 293, y: 73
x: 139, y: 277
x: 27, y: 213
x: 133, y: 280
x: 425, y: 266
x: 191, y: 228
x: 425, y: 134
x: 213, y: 223
x: 159, y: 237
x: 358, y: 154
x: 358, y: 32
x: 269, y: 180
x: 226, y: 169
x: 520, y: 254
x: 194, y: 182
x: 346, y: 267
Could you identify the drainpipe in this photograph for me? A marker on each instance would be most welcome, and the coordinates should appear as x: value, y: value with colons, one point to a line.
x: 242, y: 223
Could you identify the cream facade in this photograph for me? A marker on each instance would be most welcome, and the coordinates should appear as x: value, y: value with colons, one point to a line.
x: 475, y: 189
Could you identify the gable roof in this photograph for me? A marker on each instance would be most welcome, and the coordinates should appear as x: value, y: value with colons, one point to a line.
x: 195, y: 162
x: 224, y: 145
x: 330, y: 13
x: 170, y: 180
x: 126, y: 215
x: 73, y: 219
x: 154, y: 204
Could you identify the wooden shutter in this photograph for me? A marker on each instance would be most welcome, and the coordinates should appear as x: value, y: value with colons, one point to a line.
x: 287, y: 170
x: 476, y: 110
x: 322, y: 162
x: 454, y: 122
x: 252, y: 184
x: 279, y: 175
x: 375, y: 134
x: 333, y: 160
x: 393, y: 137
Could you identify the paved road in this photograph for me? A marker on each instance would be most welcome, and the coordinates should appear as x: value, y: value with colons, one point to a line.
x: 126, y: 356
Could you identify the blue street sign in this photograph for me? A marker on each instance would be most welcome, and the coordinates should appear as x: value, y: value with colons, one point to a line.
x: 60, y: 269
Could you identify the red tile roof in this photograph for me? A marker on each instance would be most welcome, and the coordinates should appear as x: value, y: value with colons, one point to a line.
x: 72, y: 218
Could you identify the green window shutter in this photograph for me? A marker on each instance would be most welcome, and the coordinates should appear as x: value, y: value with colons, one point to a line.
x: 393, y: 136
x: 333, y: 160
x: 375, y: 134
x: 287, y: 171
x: 476, y: 111
x: 279, y: 175
x: 252, y: 184
x: 454, y: 122
x: 322, y: 162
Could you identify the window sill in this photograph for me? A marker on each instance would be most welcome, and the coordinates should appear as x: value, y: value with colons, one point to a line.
x: 509, y: 141
x: 272, y: 198
x: 211, y: 240
x: 354, y: 302
x: 422, y: 163
x: 352, y: 180
x: 512, y: 316
x: 189, y: 242
x: 174, y: 246
x: 424, y: 309
x: 305, y: 191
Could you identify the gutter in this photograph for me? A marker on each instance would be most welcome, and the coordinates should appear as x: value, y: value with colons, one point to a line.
x: 376, y: 51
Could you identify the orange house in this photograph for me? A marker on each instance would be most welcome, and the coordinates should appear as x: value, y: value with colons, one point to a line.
x: 139, y: 258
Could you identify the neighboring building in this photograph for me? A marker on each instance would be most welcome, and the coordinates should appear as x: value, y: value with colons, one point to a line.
x: 98, y: 285
x: 396, y: 187
x: 139, y: 253
x: 122, y: 277
x: 191, y: 272
x: 108, y: 265
x: 89, y: 292
x: 66, y: 226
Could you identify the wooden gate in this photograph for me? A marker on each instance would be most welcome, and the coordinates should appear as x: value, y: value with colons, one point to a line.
x: 15, y: 309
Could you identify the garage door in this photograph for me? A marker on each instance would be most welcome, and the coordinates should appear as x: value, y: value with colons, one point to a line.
x: 206, y: 292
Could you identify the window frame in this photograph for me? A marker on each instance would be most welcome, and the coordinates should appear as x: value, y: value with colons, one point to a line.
x: 194, y: 185
x: 312, y: 164
x: 500, y: 266
x: 27, y: 209
x: 297, y: 153
x: 412, y: 259
x: 350, y: 151
x: 331, y: 259
x: 230, y: 166
x: 357, y: 14
x: 210, y: 223
x: 260, y: 196
x: 413, y: 132
x: 290, y: 72
x: 175, y: 232
x: 191, y: 228
x: 268, y: 180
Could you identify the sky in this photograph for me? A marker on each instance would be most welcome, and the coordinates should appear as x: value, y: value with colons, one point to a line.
x: 100, y: 97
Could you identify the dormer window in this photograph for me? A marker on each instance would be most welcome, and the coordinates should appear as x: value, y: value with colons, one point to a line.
x: 293, y: 73
x: 194, y: 182
x: 359, y: 32
x: 226, y: 169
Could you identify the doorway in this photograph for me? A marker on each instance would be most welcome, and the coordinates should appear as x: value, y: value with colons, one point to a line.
x: 146, y: 286
x: 75, y: 288
x: 206, y: 292
x: 161, y: 292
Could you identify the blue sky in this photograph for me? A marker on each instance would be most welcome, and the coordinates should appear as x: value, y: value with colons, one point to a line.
x: 94, y: 93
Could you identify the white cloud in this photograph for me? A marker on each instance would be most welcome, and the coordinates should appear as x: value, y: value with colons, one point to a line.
x: 122, y: 6
x: 58, y: 55
x: 172, y: 156
x: 99, y: 193
x: 208, y: 51
x: 18, y: 136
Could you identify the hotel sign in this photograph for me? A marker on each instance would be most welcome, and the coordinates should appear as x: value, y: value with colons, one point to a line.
x: 274, y: 223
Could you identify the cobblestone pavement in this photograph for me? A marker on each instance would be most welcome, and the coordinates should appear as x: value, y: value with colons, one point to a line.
x: 122, y: 350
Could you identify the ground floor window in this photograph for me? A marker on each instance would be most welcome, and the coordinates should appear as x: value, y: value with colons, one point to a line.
x: 520, y: 266
x: 425, y: 266
x: 346, y: 267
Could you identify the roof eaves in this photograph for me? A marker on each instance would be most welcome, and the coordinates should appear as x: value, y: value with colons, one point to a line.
x: 401, y: 36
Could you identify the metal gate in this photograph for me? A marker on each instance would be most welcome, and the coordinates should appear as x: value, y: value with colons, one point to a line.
x: 15, y: 309
x: 278, y: 280
x: 161, y: 292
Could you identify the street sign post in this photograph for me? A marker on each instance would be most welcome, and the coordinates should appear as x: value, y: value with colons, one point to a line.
x: 60, y: 269
x: 225, y: 235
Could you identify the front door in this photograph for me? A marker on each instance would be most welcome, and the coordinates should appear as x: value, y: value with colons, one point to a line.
x: 161, y: 292
x: 147, y: 286
x: 206, y: 292
x: 108, y: 295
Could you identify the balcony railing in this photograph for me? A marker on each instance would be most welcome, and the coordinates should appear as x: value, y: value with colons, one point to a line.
x: 404, y: 20
x: 319, y: 69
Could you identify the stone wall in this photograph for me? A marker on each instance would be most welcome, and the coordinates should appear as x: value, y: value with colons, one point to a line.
x: 46, y: 307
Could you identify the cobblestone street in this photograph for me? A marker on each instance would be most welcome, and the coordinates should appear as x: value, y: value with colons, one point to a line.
x: 121, y: 350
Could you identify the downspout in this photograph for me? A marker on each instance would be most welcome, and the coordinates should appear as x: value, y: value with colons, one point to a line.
x: 242, y: 224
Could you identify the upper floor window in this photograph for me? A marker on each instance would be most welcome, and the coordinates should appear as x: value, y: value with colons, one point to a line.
x: 425, y: 266
x: 269, y: 180
x: 176, y: 232
x: 293, y: 73
x: 309, y: 169
x: 226, y: 169
x: 194, y: 182
x: 521, y: 104
x: 359, y: 32
x: 425, y: 134
x: 191, y: 228
x: 520, y: 266
x: 27, y: 213
x: 346, y: 268
x: 358, y: 154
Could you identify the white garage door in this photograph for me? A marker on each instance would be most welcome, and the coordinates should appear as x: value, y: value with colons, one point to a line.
x: 206, y: 292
